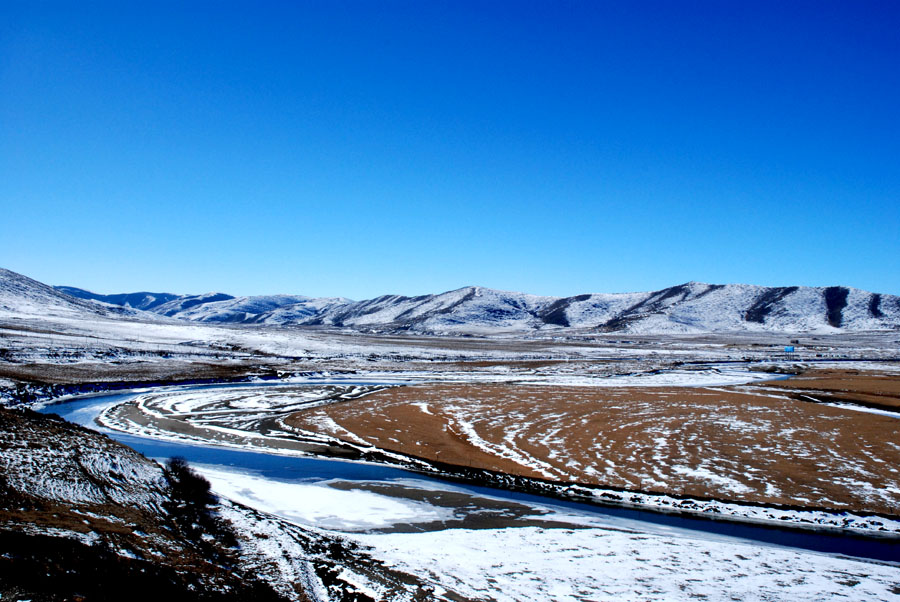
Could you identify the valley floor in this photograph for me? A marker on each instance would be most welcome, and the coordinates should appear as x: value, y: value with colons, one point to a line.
x: 565, y: 556
x: 770, y: 442
x: 607, y: 412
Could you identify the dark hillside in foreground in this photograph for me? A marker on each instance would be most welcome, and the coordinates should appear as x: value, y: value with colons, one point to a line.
x: 85, y: 518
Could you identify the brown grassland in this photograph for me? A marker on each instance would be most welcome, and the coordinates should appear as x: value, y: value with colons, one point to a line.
x: 766, y: 443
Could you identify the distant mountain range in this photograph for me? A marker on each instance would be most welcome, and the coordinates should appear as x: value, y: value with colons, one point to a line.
x: 693, y: 307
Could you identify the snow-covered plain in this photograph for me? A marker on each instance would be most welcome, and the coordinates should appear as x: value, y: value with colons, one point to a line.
x: 590, y: 559
x: 746, y: 443
x: 316, y: 504
x: 532, y: 563
x: 231, y: 417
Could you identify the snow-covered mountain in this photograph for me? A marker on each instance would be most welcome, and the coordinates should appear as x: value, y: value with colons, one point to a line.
x: 218, y: 307
x: 469, y: 309
x: 22, y: 296
x: 698, y: 307
x: 688, y: 308
x: 142, y: 300
x: 693, y: 307
x: 268, y: 309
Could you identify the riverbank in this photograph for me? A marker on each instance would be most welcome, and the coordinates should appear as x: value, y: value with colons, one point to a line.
x: 460, y: 563
x: 255, y: 419
x: 84, y: 517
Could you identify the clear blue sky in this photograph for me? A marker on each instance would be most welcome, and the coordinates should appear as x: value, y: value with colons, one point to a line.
x: 362, y: 148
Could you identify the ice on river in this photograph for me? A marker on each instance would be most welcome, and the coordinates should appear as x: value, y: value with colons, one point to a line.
x: 596, y: 562
x: 315, y: 504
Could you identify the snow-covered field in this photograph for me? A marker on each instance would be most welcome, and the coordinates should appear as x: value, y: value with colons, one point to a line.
x: 585, y: 559
x: 233, y: 417
x: 746, y: 443
x: 531, y: 563
x: 318, y: 505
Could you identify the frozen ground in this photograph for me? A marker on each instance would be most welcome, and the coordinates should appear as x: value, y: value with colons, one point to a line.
x: 599, y: 564
x: 661, y: 443
x: 752, y: 443
x: 583, y: 560
x: 316, y: 504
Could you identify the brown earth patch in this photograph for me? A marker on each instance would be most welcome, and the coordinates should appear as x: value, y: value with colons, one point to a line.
x: 867, y: 388
x: 752, y: 443
x: 88, y: 372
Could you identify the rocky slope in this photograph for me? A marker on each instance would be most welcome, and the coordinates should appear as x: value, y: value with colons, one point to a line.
x: 85, y: 518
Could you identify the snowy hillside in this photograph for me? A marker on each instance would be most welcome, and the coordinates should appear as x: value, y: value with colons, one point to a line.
x: 692, y: 307
x: 297, y: 313
x: 469, y: 309
x: 38, y: 459
x: 219, y: 307
x: 142, y: 300
x: 83, y: 517
x: 689, y: 308
x: 21, y: 296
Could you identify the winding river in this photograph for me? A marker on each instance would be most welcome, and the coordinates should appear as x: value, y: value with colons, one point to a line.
x: 292, y: 469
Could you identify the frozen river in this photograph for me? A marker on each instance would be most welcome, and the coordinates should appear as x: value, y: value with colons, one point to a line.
x: 363, y: 497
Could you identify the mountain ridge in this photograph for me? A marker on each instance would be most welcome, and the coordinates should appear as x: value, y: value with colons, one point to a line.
x: 691, y: 307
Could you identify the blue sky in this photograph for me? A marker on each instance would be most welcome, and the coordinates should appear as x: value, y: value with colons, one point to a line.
x: 361, y: 148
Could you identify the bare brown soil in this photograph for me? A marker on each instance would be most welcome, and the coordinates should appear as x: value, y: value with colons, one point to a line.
x: 855, y: 386
x: 749, y: 443
x: 88, y: 372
